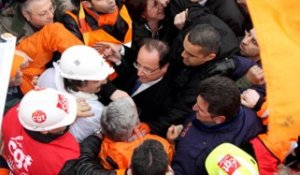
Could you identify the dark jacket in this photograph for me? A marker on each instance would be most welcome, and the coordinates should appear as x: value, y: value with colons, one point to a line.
x: 89, y: 162
x: 152, y: 103
x: 12, y: 21
x: 4, y: 168
x: 198, y: 140
x: 186, y: 82
x: 197, y: 15
x: 186, y: 79
x: 166, y: 32
x: 226, y: 10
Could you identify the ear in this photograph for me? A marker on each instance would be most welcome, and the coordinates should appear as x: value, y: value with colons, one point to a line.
x: 170, y: 171
x: 136, y: 129
x: 143, y: 15
x: 210, y: 56
x: 165, y: 68
x: 219, y: 119
x: 26, y: 15
x: 129, y: 171
x: 88, y: 3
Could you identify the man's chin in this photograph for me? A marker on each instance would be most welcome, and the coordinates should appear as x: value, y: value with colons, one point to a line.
x: 142, y: 80
x: 112, y: 9
x: 98, y: 90
x: 186, y: 63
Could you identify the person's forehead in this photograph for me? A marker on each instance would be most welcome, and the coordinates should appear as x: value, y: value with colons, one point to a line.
x: 40, y: 5
x: 153, y: 53
x: 150, y: 2
x: 201, y: 103
x: 200, y: 99
x: 192, y: 49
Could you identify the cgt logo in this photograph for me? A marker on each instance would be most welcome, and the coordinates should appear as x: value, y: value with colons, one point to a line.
x: 39, y: 116
x: 18, y: 160
x: 63, y: 103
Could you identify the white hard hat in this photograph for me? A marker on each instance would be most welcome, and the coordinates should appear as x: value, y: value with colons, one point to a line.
x: 46, y: 109
x: 82, y: 62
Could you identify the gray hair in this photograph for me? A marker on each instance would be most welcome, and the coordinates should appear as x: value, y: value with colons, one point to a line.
x: 119, y: 119
x: 25, y: 6
x: 205, y: 36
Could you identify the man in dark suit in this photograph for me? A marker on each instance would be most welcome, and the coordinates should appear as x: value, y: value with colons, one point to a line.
x: 173, y: 88
x: 146, y: 82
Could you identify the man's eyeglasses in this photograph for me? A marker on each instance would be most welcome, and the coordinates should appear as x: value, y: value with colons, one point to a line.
x: 44, y: 14
x: 144, y: 69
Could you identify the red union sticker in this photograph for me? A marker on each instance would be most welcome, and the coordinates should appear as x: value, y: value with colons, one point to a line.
x: 229, y: 164
x: 63, y: 103
x: 39, y: 116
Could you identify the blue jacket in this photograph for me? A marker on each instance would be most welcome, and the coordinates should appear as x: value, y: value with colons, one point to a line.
x: 198, y: 140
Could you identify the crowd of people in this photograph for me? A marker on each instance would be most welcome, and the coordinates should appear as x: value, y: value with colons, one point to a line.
x: 135, y: 87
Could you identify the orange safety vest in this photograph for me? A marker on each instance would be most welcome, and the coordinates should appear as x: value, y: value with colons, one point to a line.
x: 92, y: 36
x: 4, y: 171
x: 121, y: 152
x: 40, y: 47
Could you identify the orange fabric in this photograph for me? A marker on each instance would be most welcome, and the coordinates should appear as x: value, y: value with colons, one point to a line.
x: 40, y: 47
x: 121, y: 172
x: 263, y: 113
x: 91, y: 37
x: 83, y: 26
x: 101, y: 35
x: 4, y: 171
x: 103, y: 19
x: 125, y: 15
x: 277, y: 26
x: 121, y: 152
x: 18, y: 60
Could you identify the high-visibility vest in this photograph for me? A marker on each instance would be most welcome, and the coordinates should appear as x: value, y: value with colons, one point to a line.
x: 121, y: 152
x: 40, y: 47
x: 91, y: 36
